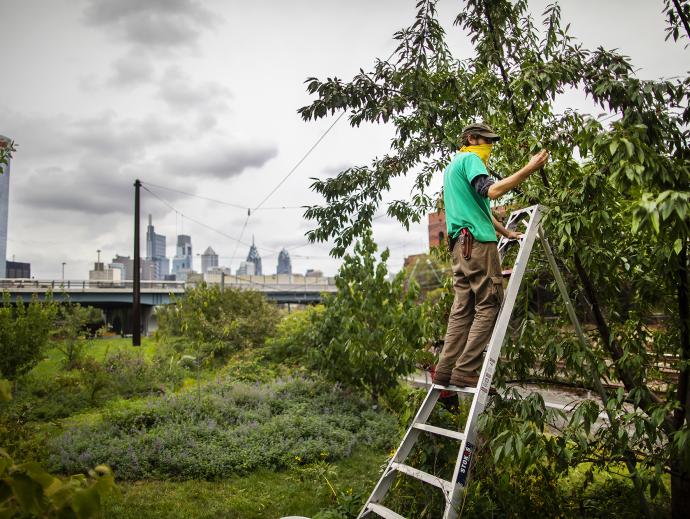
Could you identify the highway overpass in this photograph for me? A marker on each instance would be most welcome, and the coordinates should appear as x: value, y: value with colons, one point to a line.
x: 115, y: 298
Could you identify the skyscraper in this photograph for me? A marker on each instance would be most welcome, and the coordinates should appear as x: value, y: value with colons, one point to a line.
x: 284, y: 263
x: 253, y: 257
x: 155, y: 252
x: 183, y: 256
x: 208, y: 259
x: 4, y: 207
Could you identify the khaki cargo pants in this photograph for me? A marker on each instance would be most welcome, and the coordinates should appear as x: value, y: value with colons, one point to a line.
x: 478, y: 286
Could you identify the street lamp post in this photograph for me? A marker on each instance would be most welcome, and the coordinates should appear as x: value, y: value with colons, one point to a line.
x: 63, y: 270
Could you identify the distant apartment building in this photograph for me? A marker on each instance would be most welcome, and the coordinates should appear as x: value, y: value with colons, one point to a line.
x: 183, y: 256
x: 4, y: 205
x: 127, y: 265
x: 100, y: 273
x: 255, y: 258
x: 312, y: 273
x: 284, y: 263
x: 247, y: 268
x: 147, y: 269
x: 17, y: 270
x: 155, y: 253
x: 209, y: 259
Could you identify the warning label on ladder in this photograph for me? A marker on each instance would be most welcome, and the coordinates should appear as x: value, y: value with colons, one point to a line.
x: 465, y: 463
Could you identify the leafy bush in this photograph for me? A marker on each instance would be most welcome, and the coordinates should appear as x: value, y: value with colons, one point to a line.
x: 215, y: 323
x: 297, y: 336
x: 24, y: 331
x: 228, y: 429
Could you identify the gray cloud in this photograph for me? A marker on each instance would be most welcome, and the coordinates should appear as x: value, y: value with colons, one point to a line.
x: 223, y: 161
x: 158, y: 24
x: 131, y: 69
x: 120, y: 139
x: 179, y: 91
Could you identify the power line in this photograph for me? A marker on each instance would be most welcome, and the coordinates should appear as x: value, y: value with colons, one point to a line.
x: 299, y: 162
x: 236, y: 206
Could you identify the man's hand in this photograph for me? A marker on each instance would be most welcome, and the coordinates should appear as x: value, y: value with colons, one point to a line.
x: 514, y: 235
x: 537, y: 161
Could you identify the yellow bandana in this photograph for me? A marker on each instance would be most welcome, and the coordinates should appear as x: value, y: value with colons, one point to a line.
x: 483, y: 150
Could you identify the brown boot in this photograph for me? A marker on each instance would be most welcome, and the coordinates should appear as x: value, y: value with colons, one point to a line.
x: 440, y: 378
x: 462, y: 380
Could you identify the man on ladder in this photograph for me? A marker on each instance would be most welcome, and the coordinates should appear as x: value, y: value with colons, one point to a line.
x: 478, y: 280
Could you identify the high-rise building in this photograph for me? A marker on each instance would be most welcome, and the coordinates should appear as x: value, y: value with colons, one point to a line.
x: 183, y: 257
x: 284, y: 263
x: 255, y: 258
x: 209, y: 259
x: 155, y: 252
x: 4, y: 206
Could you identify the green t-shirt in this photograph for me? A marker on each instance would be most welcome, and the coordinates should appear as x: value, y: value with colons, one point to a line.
x: 464, y: 206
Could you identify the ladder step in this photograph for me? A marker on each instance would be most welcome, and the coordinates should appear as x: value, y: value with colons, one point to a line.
x: 384, y: 512
x: 444, y: 485
x: 468, y: 390
x: 439, y: 431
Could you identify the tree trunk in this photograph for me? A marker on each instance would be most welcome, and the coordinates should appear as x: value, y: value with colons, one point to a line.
x: 680, y: 490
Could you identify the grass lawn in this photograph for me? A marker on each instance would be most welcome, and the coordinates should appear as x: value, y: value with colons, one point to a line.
x: 261, y: 495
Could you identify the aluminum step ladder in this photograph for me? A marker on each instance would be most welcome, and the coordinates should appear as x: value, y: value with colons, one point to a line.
x: 453, y: 489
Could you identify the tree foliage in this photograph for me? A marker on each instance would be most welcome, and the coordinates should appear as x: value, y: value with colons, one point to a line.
x: 24, y: 332
x: 218, y: 322
x: 617, y: 188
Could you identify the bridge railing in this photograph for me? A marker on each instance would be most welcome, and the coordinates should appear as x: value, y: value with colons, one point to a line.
x: 270, y: 282
x: 82, y: 284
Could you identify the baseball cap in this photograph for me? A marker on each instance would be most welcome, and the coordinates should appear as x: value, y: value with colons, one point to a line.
x: 481, y: 129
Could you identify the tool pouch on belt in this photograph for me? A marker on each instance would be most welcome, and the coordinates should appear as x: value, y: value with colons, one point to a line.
x: 466, y: 240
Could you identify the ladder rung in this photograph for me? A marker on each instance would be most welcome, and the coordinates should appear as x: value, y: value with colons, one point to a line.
x: 468, y: 390
x: 444, y: 485
x: 439, y: 431
x: 384, y: 512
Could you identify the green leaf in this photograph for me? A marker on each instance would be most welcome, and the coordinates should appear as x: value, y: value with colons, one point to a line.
x: 677, y: 246
x: 5, y: 390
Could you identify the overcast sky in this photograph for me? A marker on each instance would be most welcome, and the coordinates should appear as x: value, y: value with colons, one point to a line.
x: 201, y: 97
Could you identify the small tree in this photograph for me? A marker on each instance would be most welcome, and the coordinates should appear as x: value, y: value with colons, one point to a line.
x: 372, y: 330
x: 72, y: 331
x: 24, y: 332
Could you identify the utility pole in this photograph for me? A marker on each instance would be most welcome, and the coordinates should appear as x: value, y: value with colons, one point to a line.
x: 136, y: 284
x: 63, y: 270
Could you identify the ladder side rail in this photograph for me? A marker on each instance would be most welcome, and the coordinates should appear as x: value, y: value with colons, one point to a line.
x: 408, y: 441
x: 462, y: 465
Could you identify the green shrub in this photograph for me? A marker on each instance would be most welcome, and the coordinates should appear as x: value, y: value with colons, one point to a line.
x: 214, y: 323
x: 24, y: 331
x: 297, y: 336
x: 122, y: 373
x: 372, y: 330
x: 229, y: 429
